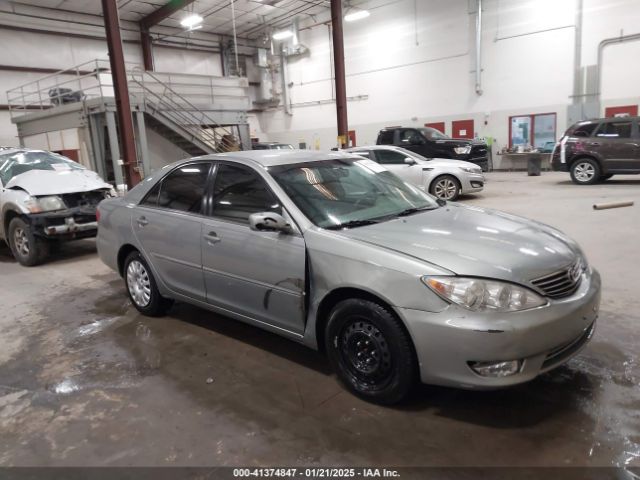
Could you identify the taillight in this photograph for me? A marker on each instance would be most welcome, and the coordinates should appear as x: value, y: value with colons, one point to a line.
x: 97, y: 215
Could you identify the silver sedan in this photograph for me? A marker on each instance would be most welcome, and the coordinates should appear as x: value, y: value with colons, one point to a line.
x: 442, y: 177
x: 334, y: 251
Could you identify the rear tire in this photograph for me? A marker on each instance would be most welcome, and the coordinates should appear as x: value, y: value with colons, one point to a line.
x: 370, y: 351
x: 445, y: 187
x: 27, y: 249
x: 585, y: 171
x: 142, y: 288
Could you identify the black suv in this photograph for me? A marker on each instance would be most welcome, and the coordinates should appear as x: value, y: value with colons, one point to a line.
x: 431, y: 143
x: 595, y: 150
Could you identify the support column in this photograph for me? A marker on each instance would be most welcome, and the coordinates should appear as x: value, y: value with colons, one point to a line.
x: 147, y: 48
x: 123, y: 104
x: 112, y: 132
x: 142, y: 140
x: 341, y: 84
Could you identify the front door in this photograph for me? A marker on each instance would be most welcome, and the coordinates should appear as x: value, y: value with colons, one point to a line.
x: 394, y: 161
x: 618, y: 144
x: 260, y: 275
x: 168, y: 226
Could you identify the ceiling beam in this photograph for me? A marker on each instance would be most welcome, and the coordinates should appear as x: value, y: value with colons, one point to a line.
x: 163, y: 12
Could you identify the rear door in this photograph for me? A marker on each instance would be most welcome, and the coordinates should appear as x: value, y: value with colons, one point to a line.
x: 168, y: 226
x: 259, y: 275
x: 618, y: 145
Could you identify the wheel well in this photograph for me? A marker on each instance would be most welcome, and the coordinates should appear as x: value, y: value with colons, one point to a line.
x: 582, y: 157
x: 445, y: 175
x: 336, y: 296
x: 124, y: 252
x: 8, y: 216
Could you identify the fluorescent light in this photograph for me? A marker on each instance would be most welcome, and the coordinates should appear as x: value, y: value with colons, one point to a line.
x: 282, y: 35
x: 191, y: 21
x: 356, y: 15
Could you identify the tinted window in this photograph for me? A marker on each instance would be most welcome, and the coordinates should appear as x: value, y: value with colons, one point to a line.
x: 184, y: 188
x: 385, y: 137
x: 239, y: 192
x: 387, y: 157
x: 615, y: 130
x: 584, y: 130
x: 411, y: 137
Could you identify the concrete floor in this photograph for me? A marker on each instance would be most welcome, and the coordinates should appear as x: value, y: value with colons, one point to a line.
x: 85, y: 380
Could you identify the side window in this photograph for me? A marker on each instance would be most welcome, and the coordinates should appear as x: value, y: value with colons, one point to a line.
x: 411, y: 137
x: 183, y: 189
x: 615, y: 130
x: 585, y: 130
x: 363, y: 153
x: 388, y: 157
x: 385, y: 137
x: 239, y: 192
x: 151, y: 199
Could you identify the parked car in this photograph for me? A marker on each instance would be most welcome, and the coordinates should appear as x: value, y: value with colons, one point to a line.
x: 271, y: 146
x: 443, y: 178
x: 45, y: 197
x: 595, y: 150
x: 432, y: 143
x: 330, y: 250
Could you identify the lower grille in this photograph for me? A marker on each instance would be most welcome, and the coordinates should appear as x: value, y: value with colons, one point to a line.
x: 558, y: 355
x: 561, y: 283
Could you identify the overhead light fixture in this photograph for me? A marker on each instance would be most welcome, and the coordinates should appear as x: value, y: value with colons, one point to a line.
x: 191, y: 21
x: 282, y: 35
x: 356, y: 15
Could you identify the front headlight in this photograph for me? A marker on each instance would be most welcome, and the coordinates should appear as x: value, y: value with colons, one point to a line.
x: 463, y: 150
x: 480, y: 295
x: 470, y: 169
x: 44, y: 204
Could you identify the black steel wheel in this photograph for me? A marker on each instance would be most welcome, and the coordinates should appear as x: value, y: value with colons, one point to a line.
x: 370, y: 351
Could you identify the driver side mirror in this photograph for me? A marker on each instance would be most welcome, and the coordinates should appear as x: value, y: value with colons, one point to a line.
x: 409, y: 161
x: 268, y: 222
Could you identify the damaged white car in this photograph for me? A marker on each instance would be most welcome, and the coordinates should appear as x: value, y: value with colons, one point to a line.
x: 46, y: 198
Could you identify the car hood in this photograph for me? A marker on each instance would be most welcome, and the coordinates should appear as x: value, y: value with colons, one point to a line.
x: 445, y: 162
x: 475, y: 242
x: 52, y: 182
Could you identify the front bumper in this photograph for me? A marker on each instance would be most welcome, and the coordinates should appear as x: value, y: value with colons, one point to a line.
x: 73, y: 223
x: 472, y: 183
x: 542, y: 338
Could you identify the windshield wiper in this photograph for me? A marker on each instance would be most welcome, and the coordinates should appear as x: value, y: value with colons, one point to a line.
x: 411, y: 211
x: 352, y: 224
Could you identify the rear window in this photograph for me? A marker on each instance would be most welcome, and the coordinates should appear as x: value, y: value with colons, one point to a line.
x: 385, y: 137
x: 582, y: 130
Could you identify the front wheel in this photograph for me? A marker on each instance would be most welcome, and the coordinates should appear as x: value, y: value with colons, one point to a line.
x: 445, y: 187
x: 370, y: 351
x: 142, y: 288
x: 27, y: 249
x: 585, y: 171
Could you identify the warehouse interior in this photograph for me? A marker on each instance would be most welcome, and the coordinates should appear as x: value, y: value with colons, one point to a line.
x: 127, y: 87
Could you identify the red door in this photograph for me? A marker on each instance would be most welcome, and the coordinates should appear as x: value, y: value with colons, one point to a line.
x: 437, y: 125
x: 352, y: 138
x: 631, y: 110
x: 462, y: 129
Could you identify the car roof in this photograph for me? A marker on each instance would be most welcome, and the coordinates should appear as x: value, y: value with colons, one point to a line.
x: 271, y: 158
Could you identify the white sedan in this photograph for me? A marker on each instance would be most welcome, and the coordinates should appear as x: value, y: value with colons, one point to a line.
x: 444, y: 178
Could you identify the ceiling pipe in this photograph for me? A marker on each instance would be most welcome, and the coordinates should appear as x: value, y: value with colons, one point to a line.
x: 577, y: 57
x: 603, y: 44
x: 340, y: 80
x: 479, y: 47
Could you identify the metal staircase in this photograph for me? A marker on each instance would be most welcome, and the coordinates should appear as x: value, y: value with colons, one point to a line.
x: 177, y: 119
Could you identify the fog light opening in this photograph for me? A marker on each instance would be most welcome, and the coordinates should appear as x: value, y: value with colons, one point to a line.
x: 496, y: 369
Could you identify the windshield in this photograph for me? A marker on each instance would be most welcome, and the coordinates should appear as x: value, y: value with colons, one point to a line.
x: 433, y: 134
x: 13, y: 164
x: 345, y: 192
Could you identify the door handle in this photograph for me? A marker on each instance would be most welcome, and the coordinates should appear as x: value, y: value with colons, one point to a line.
x: 142, y: 222
x: 595, y: 144
x: 212, y: 238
